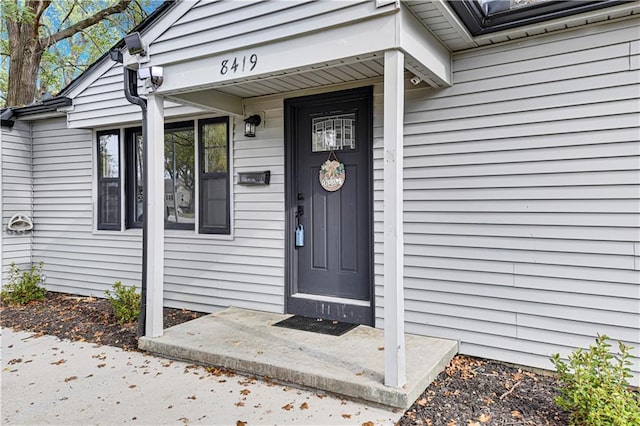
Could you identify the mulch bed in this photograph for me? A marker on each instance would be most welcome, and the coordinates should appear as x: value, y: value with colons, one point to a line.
x: 469, y: 392
x: 81, y: 318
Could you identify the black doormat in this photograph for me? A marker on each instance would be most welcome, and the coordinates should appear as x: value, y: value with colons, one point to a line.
x: 315, y: 325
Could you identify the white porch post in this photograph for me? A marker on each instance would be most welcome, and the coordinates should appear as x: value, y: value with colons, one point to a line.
x: 394, y: 344
x: 155, y: 215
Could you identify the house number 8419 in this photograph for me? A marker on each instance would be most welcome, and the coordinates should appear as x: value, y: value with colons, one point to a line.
x: 239, y: 64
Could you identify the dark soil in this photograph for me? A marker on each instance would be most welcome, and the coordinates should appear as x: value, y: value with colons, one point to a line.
x: 475, y: 392
x: 81, y: 318
x: 470, y: 392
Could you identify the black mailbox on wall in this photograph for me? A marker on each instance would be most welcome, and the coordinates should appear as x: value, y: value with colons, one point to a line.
x: 254, y: 178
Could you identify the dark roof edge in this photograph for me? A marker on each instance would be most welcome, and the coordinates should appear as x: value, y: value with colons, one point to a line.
x: 50, y: 105
x: 479, y: 24
x: 156, y: 14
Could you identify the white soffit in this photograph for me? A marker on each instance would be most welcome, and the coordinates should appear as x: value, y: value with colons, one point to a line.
x: 443, y: 23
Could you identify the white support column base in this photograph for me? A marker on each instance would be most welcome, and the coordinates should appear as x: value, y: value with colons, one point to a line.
x: 394, y: 342
x: 155, y: 219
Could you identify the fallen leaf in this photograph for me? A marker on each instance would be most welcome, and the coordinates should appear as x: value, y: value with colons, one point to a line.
x: 484, y: 418
x: 304, y: 406
x: 472, y: 423
x: 241, y: 423
x: 516, y: 413
x: 60, y: 361
x: 452, y: 423
x: 368, y: 424
x: 239, y: 404
x: 245, y: 392
x: 192, y: 397
x: 102, y: 365
x: 132, y: 386
x: 346, y: 416
x: 68, y: 379
x: 287, y: 407
x: 422, y: 402
x: 15, y: 361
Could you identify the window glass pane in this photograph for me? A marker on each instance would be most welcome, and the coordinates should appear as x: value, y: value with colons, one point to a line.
x: 179, y: 178
x: 214, y: 145
x: 335, y: 133
x: 214, y: 176
x: 108, y: 180
x: 109, y: 194
x: 215, y: 199
x: 109, y: 155
x: 138, y: 205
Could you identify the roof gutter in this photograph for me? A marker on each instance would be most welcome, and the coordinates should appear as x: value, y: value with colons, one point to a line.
x: 9, y: 115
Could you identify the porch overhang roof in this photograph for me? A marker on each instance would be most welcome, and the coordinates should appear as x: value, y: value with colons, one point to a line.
x: 329, y: 56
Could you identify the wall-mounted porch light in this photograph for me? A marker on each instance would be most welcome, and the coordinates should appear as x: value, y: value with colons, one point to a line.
x: 250, y: 124
x: 134, y: 44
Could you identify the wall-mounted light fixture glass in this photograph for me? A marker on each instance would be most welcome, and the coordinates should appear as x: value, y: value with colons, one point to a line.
x: 250, y: 124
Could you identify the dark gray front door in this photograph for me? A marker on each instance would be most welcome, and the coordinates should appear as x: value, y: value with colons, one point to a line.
x: 330, y: 275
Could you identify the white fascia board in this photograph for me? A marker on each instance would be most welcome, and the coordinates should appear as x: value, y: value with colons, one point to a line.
x: 361, y: 38
x: 453, y: 19
x: 417, y: 42
x: 89, y: 77
x: 155, y: 30
x: 211, y: 100
x: 151, y: 33
x: 381, y: 3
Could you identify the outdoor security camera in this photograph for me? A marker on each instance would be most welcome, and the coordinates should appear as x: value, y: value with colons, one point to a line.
x: 415, y: 80
x: 152, y: 75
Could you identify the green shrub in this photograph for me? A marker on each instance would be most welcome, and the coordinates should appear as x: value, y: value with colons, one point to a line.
x: 125, y: 302
x: 23, y: 287
x: 595, y: 390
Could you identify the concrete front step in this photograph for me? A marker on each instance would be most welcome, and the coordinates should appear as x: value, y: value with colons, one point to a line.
x: 352, y: 364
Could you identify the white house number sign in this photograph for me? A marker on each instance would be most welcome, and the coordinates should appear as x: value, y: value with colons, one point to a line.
x: 239, y: 64
x: 332, y: 173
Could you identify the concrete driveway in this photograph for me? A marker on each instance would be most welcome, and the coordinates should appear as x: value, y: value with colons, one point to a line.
x: 46, y: 380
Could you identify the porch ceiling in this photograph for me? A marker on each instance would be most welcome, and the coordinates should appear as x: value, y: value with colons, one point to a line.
x: 315, y: 76
x: 346, y: 70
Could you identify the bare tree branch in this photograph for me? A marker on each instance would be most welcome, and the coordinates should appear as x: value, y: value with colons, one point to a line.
x: 85, y: 23
x: 39, y: 9
x: 71, y: 9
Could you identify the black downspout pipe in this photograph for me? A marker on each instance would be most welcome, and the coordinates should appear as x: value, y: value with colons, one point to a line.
x: 131, y: 93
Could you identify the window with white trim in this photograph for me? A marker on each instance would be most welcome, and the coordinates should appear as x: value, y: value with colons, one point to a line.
x: 180, y: 208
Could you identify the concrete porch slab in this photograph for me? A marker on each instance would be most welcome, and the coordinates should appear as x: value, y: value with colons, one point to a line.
x: 352, y: 364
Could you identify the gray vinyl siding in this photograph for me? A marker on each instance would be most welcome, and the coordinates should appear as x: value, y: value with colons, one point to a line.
x: 211, y: 27
x: 16, y: 194
x: 522, y: 198
x: 103, y: 103
x: 210, y: 272
x: 202, y: 272
x: 77, y: 259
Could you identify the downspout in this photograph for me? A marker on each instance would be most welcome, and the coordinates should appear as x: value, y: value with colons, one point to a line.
x: 131, y: 93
